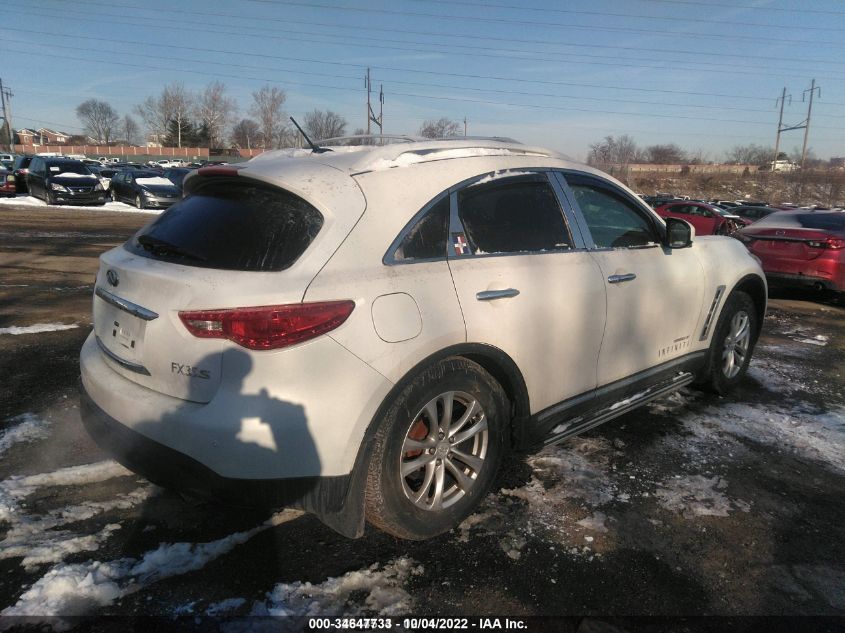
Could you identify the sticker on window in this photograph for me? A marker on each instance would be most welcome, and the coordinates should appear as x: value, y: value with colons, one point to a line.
x: 460, y: 244
x: 54, y: 168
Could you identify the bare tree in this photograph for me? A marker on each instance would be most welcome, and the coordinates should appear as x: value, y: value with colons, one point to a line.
x: 180, y: 104
x: 752, y: 154
x: 156, y: 114
x: 440, y: 129
x: 328, y: 124
x: 99, y: 119
x: 669, y: 154
x: 130, y: 129
x: 267, y: 109
x: 215, y: 110
x: 246, y: 134
x: 173, y: 104
x: 619, y: 151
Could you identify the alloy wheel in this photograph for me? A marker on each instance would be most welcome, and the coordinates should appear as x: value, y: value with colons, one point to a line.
x: 444, y: 451
x: 736, y: 345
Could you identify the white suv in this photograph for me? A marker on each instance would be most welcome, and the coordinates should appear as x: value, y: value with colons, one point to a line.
x: 365, y: 334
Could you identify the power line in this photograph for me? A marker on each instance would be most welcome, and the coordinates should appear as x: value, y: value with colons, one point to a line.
x: 547, y: 10
x: 546, y: 24
x: 423, y: 96
x: 734, y: 68
x: 430, y: 85
x: 486, y: 38
x: 746, y: 7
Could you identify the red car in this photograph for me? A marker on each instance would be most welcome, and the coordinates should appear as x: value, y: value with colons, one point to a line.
x: 707, y: 219
x: 800, y: 246
x: 7, y: 183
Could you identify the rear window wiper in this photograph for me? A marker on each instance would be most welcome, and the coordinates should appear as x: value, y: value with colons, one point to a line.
x: 156, y: 245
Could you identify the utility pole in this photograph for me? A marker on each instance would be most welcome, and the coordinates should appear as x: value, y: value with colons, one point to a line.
x: 371, y: 115
x: 6, y: 94
x: 812, y: 91
x: 782, y: 99
x: 465, y: 125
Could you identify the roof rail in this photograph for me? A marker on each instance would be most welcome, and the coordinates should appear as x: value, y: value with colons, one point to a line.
x: 368, y: 139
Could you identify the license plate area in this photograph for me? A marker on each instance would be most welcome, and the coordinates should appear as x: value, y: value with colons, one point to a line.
x: 120, y: 332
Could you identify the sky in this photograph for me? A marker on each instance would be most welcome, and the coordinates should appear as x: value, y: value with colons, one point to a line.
x: 703, y: 74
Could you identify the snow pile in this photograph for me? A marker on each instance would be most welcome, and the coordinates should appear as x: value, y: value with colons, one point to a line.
x: 73, y: 174
x: 30, y: 201
x: 155, y: 181
x: 385, y: 595
x: 224, y: 606
x: 76, y: 589
x: 37, y: 328
x: 408, y: 158
x: 502, y: 173
x: 696, y: 495
x: 818, y: 339
x: 28, y: 428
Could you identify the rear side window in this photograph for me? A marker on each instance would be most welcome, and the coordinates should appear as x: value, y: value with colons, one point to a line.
x: 427, y: 238
x: 511, y: 216
x: 232, y: 226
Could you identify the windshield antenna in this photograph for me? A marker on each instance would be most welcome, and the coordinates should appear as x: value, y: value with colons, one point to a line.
x: 314, y: 148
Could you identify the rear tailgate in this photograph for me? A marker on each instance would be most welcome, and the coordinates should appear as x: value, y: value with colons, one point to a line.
x: 212, y: 251
x: 783, y: 249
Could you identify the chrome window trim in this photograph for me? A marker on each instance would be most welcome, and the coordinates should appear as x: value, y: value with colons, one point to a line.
x: 127, y: 306
x: 133, y: 367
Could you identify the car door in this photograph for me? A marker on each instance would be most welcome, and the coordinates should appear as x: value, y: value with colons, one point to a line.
x: 35, y: 178
x: 654, y: 294
x: 704, y: 220
x: 526, y: 285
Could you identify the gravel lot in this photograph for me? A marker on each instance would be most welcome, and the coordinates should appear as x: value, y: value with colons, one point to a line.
x: 694, y: 505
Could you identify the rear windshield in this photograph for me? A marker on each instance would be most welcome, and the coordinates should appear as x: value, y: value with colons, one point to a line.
x: 232, y: 226
x: 819, y: 221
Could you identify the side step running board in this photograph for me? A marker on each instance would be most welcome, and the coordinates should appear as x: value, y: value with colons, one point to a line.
x: 580, y: 424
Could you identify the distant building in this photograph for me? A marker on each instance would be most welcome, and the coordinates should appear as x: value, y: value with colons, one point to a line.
x: 26, y: 136
x: 52, y: 137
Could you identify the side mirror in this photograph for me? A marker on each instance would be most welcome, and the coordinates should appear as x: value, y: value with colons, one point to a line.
x: 679, y: 233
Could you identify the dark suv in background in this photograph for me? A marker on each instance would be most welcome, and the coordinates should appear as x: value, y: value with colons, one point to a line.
x: 59, y: 180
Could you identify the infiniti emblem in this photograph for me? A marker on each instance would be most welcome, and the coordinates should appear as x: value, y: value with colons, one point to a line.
x: 776, y: 233
x: 112, y: 277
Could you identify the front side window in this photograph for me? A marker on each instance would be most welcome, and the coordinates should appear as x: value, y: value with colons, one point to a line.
x: 427, y: 238
x: 513, y: 215
x: 614, y: 222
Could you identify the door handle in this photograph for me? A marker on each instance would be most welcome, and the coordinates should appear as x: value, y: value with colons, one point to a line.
x: 618, y: 279
x: 490, y: 295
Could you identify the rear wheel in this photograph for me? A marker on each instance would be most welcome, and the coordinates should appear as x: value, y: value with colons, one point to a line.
x: 437, y: 450
x: 732, y: 344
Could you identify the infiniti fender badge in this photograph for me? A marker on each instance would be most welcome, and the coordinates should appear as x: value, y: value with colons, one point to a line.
x: 112, y: 277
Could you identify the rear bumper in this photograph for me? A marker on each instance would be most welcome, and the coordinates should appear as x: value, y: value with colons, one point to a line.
x: 827, y: 283
x: 327, y: 497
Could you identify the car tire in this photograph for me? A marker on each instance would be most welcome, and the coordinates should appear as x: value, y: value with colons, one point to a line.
x: 732, y: 344
x: 139, y: 202
x: 425, y: 476
x: 48, y: 198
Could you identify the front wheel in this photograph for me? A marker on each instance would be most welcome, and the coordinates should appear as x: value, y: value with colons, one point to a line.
x: 733, y: 343
x: 139, y: 202
x: 436, y: 450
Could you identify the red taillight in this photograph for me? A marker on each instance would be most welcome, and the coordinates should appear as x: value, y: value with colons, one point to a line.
x: 268, y: 327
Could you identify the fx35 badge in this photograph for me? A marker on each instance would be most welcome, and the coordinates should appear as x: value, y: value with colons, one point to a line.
x: 187, y: 370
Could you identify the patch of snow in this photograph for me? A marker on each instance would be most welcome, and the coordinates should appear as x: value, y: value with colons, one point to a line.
x: 28, y: 428
x: 385, y: 594
x: 36, y: 540
x: 17, y: 487
x: 818, y: 339
x: 76, y: 589
x: 185, y: 609
x: 594, y: 522
x: 155, y: 181
x: 30, y: 201
x: 696, y: 495
x: 497, y: 175
x: 224, y: 606
x: 16, y: 330
x: 73, y: 174
x: 408, y: 158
